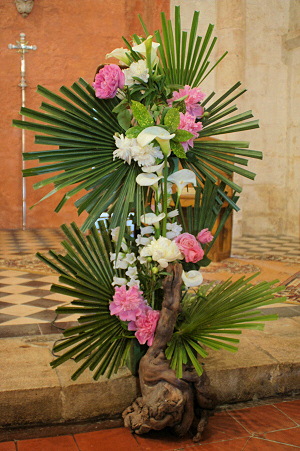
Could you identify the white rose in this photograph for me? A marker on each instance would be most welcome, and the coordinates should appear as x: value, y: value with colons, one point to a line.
x: 192, y: 278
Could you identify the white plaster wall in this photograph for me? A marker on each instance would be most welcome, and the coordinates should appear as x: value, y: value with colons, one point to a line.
x: 262, y: 39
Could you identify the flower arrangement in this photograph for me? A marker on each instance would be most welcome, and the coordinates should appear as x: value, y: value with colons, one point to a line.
x: 134, y: 140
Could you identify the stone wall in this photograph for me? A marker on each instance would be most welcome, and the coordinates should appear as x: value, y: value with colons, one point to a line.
x: 72, y: 39
x: 263, y: 39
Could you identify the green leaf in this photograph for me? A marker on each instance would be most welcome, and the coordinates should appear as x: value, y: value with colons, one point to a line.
x: 177, y: 149
x: 183, y: 135
x: 124, y: 119
x: 172, y: 119
x: 141, y: 114
x: 133, y: 132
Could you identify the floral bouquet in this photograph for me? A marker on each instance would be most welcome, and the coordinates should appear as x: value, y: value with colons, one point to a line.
x: 135, y: 141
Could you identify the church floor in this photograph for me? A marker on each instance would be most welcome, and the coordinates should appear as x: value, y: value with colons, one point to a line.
x: 272, y: 427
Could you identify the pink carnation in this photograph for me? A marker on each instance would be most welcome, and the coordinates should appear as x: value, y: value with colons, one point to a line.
x: 194, y: 97
x: 127, y: 305
x: 108, y: 80
x: 187, y: 122
x: 189, y: 247
x: 204, y: 236
x: 145, y: 326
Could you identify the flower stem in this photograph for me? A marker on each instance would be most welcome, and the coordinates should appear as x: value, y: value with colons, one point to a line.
x: 165, y: 197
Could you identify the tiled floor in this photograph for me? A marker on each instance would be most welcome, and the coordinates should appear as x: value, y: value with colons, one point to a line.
x: 16, y: 242
x: 274, y: 427
x: 267, y: 245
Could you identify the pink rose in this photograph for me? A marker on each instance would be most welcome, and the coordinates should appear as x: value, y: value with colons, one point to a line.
x: 189, y: 247
x: 127, y: 305
x: 204, y: 236
x: 108, y: 80
x: 145, y: 326
x: 187, y: 122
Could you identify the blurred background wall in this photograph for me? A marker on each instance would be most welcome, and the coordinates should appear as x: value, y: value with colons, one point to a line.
x: 263, y: 41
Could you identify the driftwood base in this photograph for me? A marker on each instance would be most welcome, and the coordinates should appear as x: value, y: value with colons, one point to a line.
x: 167, y: 400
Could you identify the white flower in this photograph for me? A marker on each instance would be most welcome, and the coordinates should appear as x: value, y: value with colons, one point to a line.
x: 147, y: 179
x: 125, y: 147
x: 133, y: 282
x: 156, y: 168
x: 119, y: 281
x: 124, y: 246
x: 173, y: 213
x: 120, y: 54
x: 174, y: 230
x: 139, y: 70
x: 192, y: 278
x: 130, y: 258
x: 115, y: 234
x: 162, y: 250
x: 151, y: 218
x: 146, y: 156
x: 142, y: 48
x: 182, y: 178
x: 120, y: 264
x: 161, y: 135
x: 142, y: 260
x: 112, y: 256
x: 131, y: 272
x: 147, y: 230
x: 142, y: 241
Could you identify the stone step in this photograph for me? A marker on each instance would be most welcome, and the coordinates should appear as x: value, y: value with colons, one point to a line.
x: 267, y: 364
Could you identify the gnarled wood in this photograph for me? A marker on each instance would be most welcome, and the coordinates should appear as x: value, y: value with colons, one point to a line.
x: 167, y: 400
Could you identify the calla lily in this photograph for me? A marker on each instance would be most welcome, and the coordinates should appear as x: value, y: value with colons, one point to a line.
x: 161, y: 135
x: 120, y: 54
x: 147, y: 179
x: 182, y: 178
x: 192, y: 278
x: 151, y: 218
x: 142, y: 48
x: 155, y: 168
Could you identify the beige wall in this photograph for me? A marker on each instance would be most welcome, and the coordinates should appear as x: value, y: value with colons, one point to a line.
x: 263, y: 40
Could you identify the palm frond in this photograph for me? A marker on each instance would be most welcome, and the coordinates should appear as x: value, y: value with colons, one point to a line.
x: 208, y: 317
x: 86, y: 275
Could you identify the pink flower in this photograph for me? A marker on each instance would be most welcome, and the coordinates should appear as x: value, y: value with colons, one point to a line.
x: 187, y: 122
x: 145, y: 326
x: 204, y: 236
x: 108, y: 80
x: 190, y: 247
x: 127, y: 305
x: 194, y: 97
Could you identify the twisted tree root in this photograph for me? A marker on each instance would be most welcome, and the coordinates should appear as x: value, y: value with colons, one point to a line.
x: 167, y: 400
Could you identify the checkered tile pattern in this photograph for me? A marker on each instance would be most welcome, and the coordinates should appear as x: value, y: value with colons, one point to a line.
x: 22, y: 242
x: 27, y: 306
x: 281, y: 246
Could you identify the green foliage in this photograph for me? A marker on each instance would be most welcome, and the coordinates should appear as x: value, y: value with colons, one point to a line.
x: 211, y: 314
x: 172, y: 119
x: 141, y: 114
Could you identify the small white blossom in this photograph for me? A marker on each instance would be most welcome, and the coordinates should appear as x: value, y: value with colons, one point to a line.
x: 142, y: 241
x: 142, y: 260
x: 130, y: 258
x: 120, y: 263
x: 147, y: 230
x: 174, y: 230
x: 133, y: 282
x: 119, y: 281
x: 131, y: 272
x: 124, y: 246
x: 173, y: 213
x: 115, y: 234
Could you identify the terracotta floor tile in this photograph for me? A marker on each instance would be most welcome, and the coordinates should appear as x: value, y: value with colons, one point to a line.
x: 287, y: 436
x: 222, y: 427
x: 61, y: 443
x: 262, y: 419
x: 256, y: 444
x: 163, y: 440
x: 291, y: 409
x: 119, y: 439
x: 7, y: 446
x: 230, y: 445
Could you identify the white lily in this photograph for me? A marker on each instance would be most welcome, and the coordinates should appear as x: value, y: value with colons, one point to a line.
x: 192, y: 278
x: 161, y: 135
x: 148, y: 179
x: 142, y: 48
x: 155, y: 168
x: 182, y: 178
x: 120, y: 54
x: 152, y: 219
